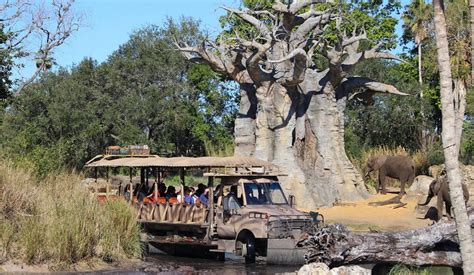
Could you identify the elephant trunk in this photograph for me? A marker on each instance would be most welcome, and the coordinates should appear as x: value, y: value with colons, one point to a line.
x: 428, y: 199
x: 366, y: 173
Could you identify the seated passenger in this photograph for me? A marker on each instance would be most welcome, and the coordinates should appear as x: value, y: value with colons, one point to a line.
x: 126, y: 192
x: 170, y: 192
x: 230, y: 201
x: 204, y: 198
x: 217, y: 192
x: 188, y: 196
x: 200, y: 190
x: 161, y: 189
x: 249, y: 196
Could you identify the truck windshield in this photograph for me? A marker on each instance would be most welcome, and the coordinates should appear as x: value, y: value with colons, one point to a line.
x: 264, y: 193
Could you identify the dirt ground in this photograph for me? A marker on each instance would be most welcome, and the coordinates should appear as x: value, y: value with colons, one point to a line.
x: 360, y: 216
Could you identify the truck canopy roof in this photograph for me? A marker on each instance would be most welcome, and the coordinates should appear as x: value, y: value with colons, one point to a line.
x: 177, y: 162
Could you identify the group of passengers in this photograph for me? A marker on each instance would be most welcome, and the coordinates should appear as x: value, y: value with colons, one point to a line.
x: 193, y: 196
x: 162, y: 194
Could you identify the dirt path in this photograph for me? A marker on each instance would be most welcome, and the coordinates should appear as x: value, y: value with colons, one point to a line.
x: 359, y: 216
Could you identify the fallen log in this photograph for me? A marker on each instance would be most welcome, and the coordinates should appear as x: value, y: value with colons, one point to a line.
x: 334, y: 245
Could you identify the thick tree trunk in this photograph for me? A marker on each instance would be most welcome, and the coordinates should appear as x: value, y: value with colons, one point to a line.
x: 459, y: 108
x: 334, y: 245
x: 244, y: 130
x: 450, y: 140
x: 302, y: 130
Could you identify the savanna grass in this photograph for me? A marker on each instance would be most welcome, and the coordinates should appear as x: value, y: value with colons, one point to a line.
x: 56, y: 220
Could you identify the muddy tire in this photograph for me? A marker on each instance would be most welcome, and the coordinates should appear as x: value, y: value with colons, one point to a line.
x: 247, y: 244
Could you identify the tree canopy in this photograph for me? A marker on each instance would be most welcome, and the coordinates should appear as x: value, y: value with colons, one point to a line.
x: 145, y: 93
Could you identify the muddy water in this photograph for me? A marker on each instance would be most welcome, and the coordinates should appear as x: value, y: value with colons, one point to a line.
x: 166, y: 264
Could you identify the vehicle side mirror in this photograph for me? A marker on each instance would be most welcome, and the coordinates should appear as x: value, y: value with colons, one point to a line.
x: 292, y: 201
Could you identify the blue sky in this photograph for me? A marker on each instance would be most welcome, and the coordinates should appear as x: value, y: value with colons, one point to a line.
x: 108, y: 24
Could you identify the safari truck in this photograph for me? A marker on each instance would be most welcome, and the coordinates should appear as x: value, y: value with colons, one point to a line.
x: 247, y: 213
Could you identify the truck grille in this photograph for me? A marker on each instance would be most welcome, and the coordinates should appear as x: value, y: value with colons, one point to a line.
x: 288, y: 227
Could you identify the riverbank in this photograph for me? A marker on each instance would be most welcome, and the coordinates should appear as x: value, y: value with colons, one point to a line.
x: 92, y: 265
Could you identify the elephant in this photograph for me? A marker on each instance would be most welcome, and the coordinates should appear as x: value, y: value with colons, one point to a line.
x: 397, y: 167
x: 439, y: 188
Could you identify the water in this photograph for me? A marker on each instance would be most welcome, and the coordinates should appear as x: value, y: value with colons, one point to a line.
x: 166, y: 264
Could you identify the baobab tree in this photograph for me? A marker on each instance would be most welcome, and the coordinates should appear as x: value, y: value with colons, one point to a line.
x: 294, y: 73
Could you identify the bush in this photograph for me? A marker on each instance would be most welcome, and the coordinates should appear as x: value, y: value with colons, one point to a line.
x: 409, y: 270
x: 56, y: 220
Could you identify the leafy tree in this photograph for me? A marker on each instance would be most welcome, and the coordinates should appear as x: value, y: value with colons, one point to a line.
x: 416, y: 20
x: 145, y: 93
x: 6, y: 64
x: 387, y: 121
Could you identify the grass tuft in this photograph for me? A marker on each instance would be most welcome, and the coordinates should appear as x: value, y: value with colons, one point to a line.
x: 400, y: 269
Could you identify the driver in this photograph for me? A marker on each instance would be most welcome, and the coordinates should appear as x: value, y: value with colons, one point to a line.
x: 249, y: 195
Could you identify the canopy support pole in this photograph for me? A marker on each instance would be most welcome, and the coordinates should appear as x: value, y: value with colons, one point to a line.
x: 131, y: 186
x: 107, y: 187
x: 210, y: 185
x: 183, y: 184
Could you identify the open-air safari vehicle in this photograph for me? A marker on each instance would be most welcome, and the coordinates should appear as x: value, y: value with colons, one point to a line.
x: 247, y: 212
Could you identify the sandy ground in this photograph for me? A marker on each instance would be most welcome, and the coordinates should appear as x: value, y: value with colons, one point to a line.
x: 359, y: 216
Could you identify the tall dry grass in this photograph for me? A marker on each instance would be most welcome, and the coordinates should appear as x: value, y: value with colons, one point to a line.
x: 56, y: 220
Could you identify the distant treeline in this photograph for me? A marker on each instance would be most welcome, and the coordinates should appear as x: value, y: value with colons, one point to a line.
x: 144, y: 93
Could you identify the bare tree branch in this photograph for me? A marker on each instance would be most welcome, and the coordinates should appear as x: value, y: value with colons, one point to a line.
x: 202, y: 55
x: 354, y: 58
x: 352, y: 83
x: 261, y: 27
x: 310, y: 13
x: 37, y: 30
x: 310, y: 25
x: 296, y: 5
x: 253, y: 62
x: 299, y: 67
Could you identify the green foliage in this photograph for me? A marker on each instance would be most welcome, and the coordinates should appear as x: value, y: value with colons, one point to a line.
x: 391, y: 120
x: 189, y: 180
x: 409, y: 270
x: 375, y: 17
x: 145, y: 93
x: 467, y: 142
x: 6, y: 65
x: 416, y: 20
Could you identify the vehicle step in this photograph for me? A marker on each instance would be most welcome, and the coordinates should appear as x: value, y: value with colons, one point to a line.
x: 217, y: 250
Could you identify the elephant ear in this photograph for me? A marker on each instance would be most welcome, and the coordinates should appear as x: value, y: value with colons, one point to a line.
x: 379, y: 161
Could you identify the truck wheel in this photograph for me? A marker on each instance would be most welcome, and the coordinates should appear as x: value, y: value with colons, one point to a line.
x: 247, y: 242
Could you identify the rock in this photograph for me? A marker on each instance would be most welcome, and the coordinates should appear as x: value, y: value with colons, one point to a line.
x: 314, y: 269
x: 323, y: 269
x: 351, y: 269
x: 420, y: 185
x: 185, y: 269
x: 434, y: 170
